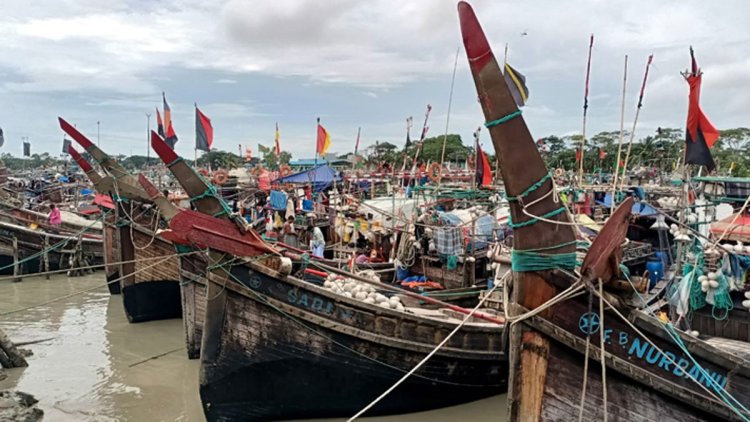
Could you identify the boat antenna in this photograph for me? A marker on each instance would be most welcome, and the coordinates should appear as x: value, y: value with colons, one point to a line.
x: 585, y: 110
x: 447, y: 123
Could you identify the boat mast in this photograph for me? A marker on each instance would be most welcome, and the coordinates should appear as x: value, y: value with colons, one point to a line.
x: 635, y: 121
x: 585, y: 110
x: 622, y: 135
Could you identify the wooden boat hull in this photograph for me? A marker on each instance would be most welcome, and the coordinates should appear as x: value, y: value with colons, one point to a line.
x: 111, y: 256
x: 31, y: 243
x: 281, y: 348
x: 642, y: 383
x: 193, y: 293
x: 150, y: 288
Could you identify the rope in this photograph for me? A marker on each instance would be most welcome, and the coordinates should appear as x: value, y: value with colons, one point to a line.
x: 265, y: 301
x: 54, y: 247
x: 585, y: 366
x: 535, y: 219
x: 503, y: 119
x: 426, y: 358
x: 718, y: 392
x: 91, y: 289
x: 601, y: 348
x: 530, y: 189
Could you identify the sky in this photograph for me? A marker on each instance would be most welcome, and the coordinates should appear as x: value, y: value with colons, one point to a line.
x: 370, y: 64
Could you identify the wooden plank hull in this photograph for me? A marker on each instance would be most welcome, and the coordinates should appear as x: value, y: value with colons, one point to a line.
x: 193, y: 292
x: 281, y: 348
x: 643, y: 383
x: 31, y: 243
x: 111, y: 256
x: 150, y: 269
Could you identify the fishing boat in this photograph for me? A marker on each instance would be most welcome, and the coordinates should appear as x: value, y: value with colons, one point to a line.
x: 648, y: 369
x: 275, y: 346
x: 138, y: 259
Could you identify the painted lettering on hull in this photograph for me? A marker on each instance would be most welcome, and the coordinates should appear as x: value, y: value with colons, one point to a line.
x: 639, y: 348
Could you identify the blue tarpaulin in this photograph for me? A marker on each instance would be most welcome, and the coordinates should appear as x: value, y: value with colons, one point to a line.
x: 639, y: 208
x: 319, y: 177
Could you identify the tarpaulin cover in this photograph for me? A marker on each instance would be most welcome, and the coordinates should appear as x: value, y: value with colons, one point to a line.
x: 319, y: 177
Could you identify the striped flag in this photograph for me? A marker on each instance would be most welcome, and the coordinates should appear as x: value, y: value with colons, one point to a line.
x: 324, y: 140
x: 204, y: 132
x: 277, y: 146
x: 159, y: 124
x: 517, y: 84
x: 171, y: 136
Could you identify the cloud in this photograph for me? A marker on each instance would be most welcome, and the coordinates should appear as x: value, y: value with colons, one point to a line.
x: 356, y: 63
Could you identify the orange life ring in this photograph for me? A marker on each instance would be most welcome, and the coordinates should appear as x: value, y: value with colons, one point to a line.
x: 220, y: 177
x: 433, y: 172
x: 284, y: 170
x: 471, y: 162
x: 257, y: 170
x: 203, y: 172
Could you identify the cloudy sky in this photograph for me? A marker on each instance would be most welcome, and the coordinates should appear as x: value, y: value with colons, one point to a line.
x: 249, y: 64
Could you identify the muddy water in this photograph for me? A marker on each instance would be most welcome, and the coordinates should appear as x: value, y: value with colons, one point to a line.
x: 92, y: 365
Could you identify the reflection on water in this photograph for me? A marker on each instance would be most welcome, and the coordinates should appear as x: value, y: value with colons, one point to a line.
x: 95, y: 366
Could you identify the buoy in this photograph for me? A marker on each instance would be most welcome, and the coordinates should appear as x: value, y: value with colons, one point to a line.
x: 433, y: 172
x: 220, y: 177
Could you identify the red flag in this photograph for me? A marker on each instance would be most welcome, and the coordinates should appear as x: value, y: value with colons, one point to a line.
x: 602, y: 153
x: 171, y: 136
x: 159, y: 123
x: 484, y: 172
x: 700, y: 135
x: 204, y: 132
x: 578, y: 155
x: 324, y: 140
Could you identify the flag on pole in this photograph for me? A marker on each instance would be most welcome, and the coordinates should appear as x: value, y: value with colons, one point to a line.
x: 263, y: 149
x: 700, y: 135
x: 248, y: 154
x: 483, y: 170
x: 277, y: 145
x: 66, y: 145
x: 324, y: 140
x: 517, y: 84
x: 171, y: 136
x: 159, y: 124
x: 26, y: 149
x: 204, y: 132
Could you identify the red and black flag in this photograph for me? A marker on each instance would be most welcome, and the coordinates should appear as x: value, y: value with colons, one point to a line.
x: 159, y: 124
x: 171, y: 136
x: 483, y: 171
x: 204, y: 132
x: 700, y: 134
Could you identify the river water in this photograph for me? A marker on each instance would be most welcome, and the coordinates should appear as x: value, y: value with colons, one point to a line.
x: 93, y: 365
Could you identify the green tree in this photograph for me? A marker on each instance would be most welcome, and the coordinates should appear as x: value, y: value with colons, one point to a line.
x: 270, y: 160
x: 219, y: 159
x: 432, y: 149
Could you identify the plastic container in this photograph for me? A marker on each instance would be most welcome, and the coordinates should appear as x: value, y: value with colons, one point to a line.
x: 402, y: 273
x: 655, y: 268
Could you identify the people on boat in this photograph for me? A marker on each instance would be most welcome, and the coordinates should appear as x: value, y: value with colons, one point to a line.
x: 318, y: 242
x: 55, y: 218
x: 289, y: 232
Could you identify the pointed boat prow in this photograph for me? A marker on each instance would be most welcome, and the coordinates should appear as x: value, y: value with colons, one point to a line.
x: 167, y: 209
x: 605, y: 254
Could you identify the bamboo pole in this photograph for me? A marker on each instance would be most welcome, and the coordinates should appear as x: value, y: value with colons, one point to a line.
x: 637, y: 113
x: 585, y: 111
x: 622, y: 136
